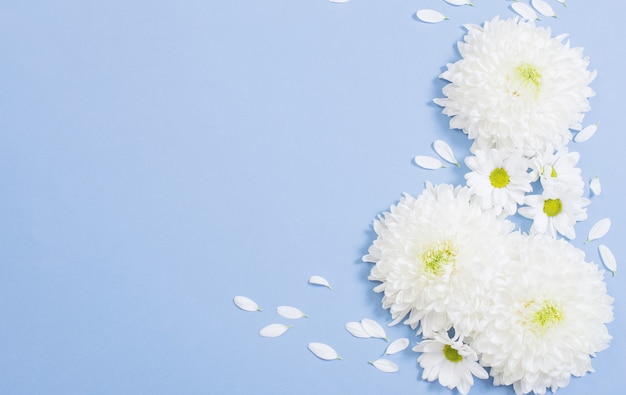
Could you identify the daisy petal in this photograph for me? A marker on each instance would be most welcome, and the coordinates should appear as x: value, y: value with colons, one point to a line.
x: 319, y: 280
x: 338, y: 1
x: 525, y: 11
x: 607, y: 258
x: 445, y: 151
x: 323, y: 351
x: 384, y: 365
x: 562, y: 2
x: 586, y: 133
x: 274, y: 330
x: 291, y: 313
x: 595, y: 186
x: 246, y: 304
x: 459, y: 2
x: 599, y: 229
x: 397, y: 346
x: 374, y: 329
x: 428, y: 162
x: 356, y: 329
x: 543, y: 7
x: 430, y: 16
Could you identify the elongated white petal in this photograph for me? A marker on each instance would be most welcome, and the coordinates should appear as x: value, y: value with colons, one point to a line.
x: 397, y: 346
x: 543, y: 8
x: 246, y: 304
x: 289, y: 312
x: 607, y: 258
x: 384, y: 365
x: 428, y: 162
x: 586, y: 133
x: 319, y: 280
x: 430, y: 16
x: 274, y: 330
x: 323, y: 351
x: 356, y: 329
x: 525, y: 11
x: 374, y: 329
x: 459, y: 2
x: 599, y: 229
x: 338, y: 1
x: 595, y: 186
x: 562, y: 2
x: 445, y: 151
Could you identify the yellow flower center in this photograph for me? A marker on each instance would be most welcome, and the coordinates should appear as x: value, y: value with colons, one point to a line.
x: 552, y: 207
x: 543, y: 316
x: 499, y: 178
x: 526, y: 80
x: 452, y: 354
x: 436, y: 257
x: 553, y: 173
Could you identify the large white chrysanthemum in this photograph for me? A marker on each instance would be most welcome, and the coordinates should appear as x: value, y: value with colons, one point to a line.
x: 547, y: 319
x: 434, y: 256
x: 516, y: 87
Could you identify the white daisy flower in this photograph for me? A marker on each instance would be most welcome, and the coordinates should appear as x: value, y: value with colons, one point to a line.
x: 556, y: 210
x: 558, y: 168
x: 450, y: 361
x: 434, y: 256
x: 548, y: 317
x: 499, y: 179
x: 516, y: 87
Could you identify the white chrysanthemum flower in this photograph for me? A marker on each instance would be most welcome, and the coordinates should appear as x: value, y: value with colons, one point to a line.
x: 556, y: 210
x: 450, y: 361
x: 548, y: 317
x: 434, y: 256
x: 499, y: 179
x: 558, y: 168
x: 516, y: 87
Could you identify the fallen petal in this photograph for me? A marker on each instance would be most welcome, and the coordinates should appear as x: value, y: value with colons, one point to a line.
x: 562, y: 2
x: 374, y: 329
x: 319, y: 280
x: 384, y: 365
x: 274, y: 330
x: 246, y: 304
x: 543, y: 7
x: 338, y: 1
x: 428, y: 162
x: 586, y: 133
x: 525, y: 11
x: 607, y: 258
x: 430, y: 16
x: 445, y: 151
x: 595, y: 186
x: 289, y: 312
x: 323, y: 351
x: 397, y: 346
x: 599, y: 229
x: 356, y: 329
x: 459, y: 2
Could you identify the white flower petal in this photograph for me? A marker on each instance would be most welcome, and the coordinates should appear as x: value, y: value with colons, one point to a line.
x: 428, y: 162
x: 525, y: 11
x: 374, y: 329
x: 323, y: 351
x: 338, y: 1
x: 599, y: 229
x: 543, y: 7
x: 607, y: 258
x: 356, y: 329
x: 595, y: 186
x: 319, y: 280
x: 459, y: 2
x: 397, y: 346
x: 445, y: 151
x: 384, y: 365
x: 246, y: 304
x: 586, y: 133
x: 274, y: 330
x: 430, y: 16
x: 562, y: 2
x: 289, y: 312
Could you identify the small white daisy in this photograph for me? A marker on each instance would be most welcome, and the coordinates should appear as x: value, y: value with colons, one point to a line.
x: 558, y: 168
x: 556, y: 210
x: 499, y: 179
x: 449, y: 360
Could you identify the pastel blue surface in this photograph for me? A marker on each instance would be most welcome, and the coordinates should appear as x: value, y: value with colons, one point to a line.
x: 158, y: 158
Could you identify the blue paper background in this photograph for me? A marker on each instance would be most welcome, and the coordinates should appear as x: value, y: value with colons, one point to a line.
x: 158, y: 158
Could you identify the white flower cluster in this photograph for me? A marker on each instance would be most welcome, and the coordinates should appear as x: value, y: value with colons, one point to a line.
x: 527, y: 306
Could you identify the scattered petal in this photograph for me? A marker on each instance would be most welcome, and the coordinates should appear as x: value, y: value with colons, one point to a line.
x: 543, y: 7
x: 397, y: 346
x: 607, y: 258
x: 599, y: 229
x: 246, y: 304
x: 338, y: 1
x: 430, y: 16
x: 356, y: 329
x: 374, y: 329
x: 323, y: 351
x: 562, y: 2
x: 384, y: 365
x: 274, y: 330
x: 428, y: 162
x: 586, y: 133
x: 459, y: 2
x: 291, y: 313
x: 445, y: 151
x: 319, y: 280
x: 525, y: 11
x: 595, y: 186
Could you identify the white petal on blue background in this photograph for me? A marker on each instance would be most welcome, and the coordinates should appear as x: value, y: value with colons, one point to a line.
x: 445, y: 151
x: 338, y: 1
x: 459, y: 2
x: 543, y: 8
x: 246, y: 304
x: 595, y: 186
x: 384, y: 365
x: 607, y: 258
x: 319, y: 280
x: 289, y: 312
x: 562, y: 2
x: 397, y: 345
x: 323, y: 351
x: 356, y: 329
x: 525, y: 11
x: 586, y: 133
x: 599, y: 229
x: 273, y: 330
x: 430, y: 16
x: 374, y: 329
x: 428, y: 162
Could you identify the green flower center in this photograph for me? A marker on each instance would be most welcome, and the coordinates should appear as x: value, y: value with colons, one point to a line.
x: 452, y: 354
x: 552, y: 207
x: 553, y: 173
x: 435, y: 258
x: 547, y: 316
x: 499, y: 178
x: 529, y: 75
